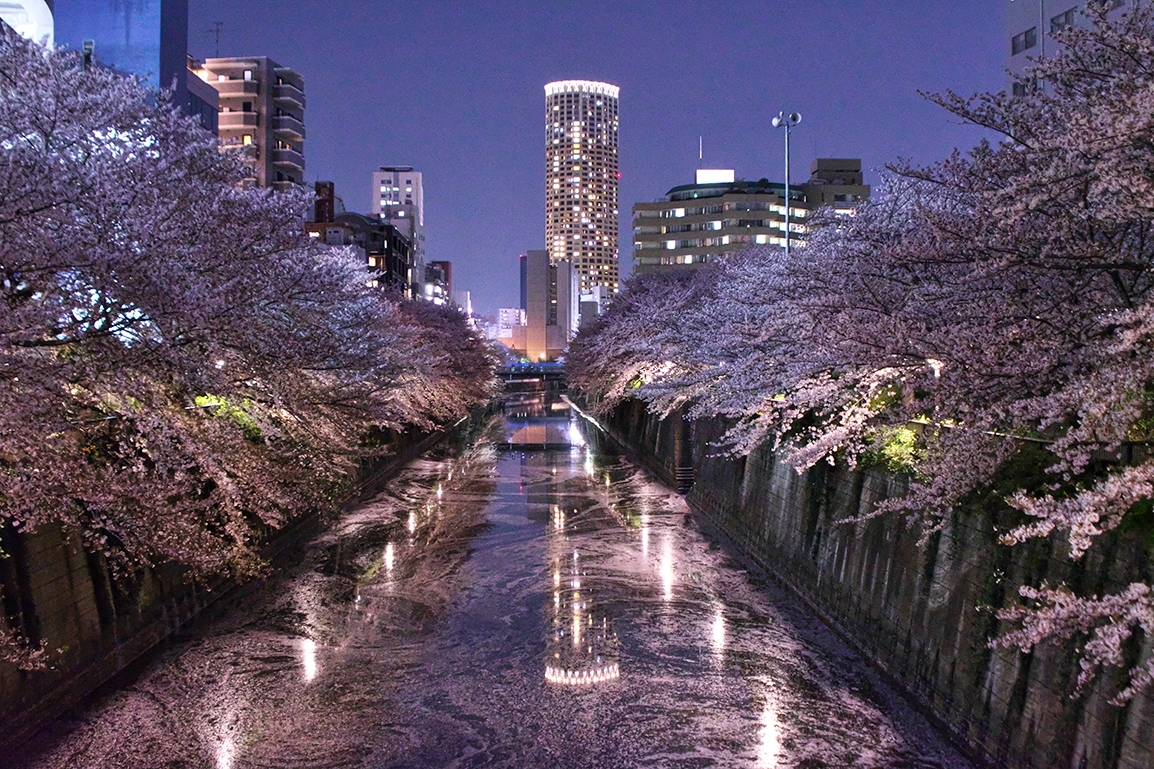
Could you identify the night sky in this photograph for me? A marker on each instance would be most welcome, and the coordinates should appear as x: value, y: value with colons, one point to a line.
x: 456, y: 89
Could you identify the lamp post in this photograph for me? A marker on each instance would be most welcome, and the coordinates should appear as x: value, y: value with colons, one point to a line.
x: 786, y: 121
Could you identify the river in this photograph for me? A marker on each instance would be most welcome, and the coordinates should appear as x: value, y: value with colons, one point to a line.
x: 526, y: 599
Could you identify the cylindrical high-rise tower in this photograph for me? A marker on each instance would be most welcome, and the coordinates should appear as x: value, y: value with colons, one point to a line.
x: 581, y: 179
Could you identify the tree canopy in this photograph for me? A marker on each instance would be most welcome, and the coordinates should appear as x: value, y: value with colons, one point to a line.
x: 997, y: 301
x: 180, y: 366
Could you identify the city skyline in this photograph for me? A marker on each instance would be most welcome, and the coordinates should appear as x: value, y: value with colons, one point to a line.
x: 458, y: 96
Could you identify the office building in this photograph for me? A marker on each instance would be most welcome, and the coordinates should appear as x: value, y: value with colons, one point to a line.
x: 438, y: 277
x: 551, y: 302
x: 149, y: 40
x: 1030, y: 25
x: 718, y: 215
x: 398, y: 198
x: 30, y: 18
x: 262, y: 107
x: 581, y: 179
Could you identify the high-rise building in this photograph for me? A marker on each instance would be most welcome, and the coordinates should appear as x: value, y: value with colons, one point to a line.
x: 262, y: 107
x: 550, y: 299
x: 701, y: 222
x: 149, y: 40
x: 581, y: 179
x: 1031, y: 23
x: 398, y: 198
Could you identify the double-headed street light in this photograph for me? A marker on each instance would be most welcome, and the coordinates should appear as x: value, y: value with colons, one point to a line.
x: 787, y: 122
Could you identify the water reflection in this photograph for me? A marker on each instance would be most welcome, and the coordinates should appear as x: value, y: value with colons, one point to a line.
x: 506, y: 607
x: 309, y: 658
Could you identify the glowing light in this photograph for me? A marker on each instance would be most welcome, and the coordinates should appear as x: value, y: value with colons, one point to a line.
x: 594, y: 675
x: 439, y: 491
x: 225, y: 753
x: 769, y: 749
x: 389, y: 557
x: 718, y: 640
x: 309, y: 658
x: 582, y: 86
x: 575, y: 436
x: 666, y: 569
x: 412, y: 521
x: 645, y: 534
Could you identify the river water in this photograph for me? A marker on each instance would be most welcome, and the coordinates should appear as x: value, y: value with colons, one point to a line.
x: 529, y: 599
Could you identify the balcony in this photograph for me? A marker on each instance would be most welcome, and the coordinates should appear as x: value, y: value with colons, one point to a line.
x: 289, y: 92
x: 289, y: 125
x: 235, y: 87
x: 233, y: 120
x: 288, y: 157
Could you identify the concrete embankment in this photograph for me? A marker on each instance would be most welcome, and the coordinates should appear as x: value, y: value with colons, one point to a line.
x: 921, y: 611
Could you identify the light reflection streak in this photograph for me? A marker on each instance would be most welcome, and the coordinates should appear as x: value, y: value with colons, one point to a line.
x: 718, y: 635
x: 412, y: 521
x: 645, y: 534
x: 309, y: 658
x: 225, y: 753
x: 389, y: 558
x: 666, y: 568
x: 769, y: 748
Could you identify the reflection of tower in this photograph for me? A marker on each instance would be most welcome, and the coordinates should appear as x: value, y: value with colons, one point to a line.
x: 582, y: 648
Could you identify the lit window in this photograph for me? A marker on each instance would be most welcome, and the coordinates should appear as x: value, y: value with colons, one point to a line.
x: 248, y: 75
x: 246, y: 139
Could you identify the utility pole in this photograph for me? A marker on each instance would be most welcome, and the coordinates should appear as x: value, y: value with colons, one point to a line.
x: 787, y: 121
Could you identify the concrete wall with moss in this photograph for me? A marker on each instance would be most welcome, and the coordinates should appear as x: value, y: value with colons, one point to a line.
x: 921, y: 611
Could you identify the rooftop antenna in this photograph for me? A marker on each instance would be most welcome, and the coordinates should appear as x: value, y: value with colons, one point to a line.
x: 216, y: 31
x: 700, y: 150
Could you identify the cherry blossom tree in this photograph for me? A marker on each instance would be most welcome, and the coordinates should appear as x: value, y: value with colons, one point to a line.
x: 180, y: 367
x: 986, y: 306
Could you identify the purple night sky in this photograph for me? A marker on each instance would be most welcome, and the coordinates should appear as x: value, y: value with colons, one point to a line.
x: 456, y: 89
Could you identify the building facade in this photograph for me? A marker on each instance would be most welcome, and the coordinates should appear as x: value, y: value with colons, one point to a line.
x: 149, y: 40
x: 1030, y: 25
x: 581, y: 179
x: 262, y: 108
x: 550, y: 308
x: 718, y: 215
x: 398, y: 198
x: 30, y: 18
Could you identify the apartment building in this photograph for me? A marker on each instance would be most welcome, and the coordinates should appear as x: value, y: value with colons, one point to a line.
x: 262, y: 106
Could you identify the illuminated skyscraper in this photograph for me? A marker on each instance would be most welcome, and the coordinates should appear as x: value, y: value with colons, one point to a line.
x: 581, y: 179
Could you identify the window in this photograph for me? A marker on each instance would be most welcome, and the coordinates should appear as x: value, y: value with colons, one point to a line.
x: 246, y: 106
x: 1021, y: 89
x: 248, y: 75
x: 1024, y: 41
x: 246, y: 139
x: 1062, y: 21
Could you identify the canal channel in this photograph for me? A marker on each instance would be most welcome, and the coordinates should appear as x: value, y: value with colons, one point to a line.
x: 523, y: 598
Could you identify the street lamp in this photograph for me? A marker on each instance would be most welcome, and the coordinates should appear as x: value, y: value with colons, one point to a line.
x: 787, y: 122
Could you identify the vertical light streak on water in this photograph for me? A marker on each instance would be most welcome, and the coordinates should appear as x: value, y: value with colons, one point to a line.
x: 309, y: 658
x: 666, y: 568
x: 645, y: 534
x: 412, y: 521
x: 769, y: 745
x: 389, y: 558
x: 225, y: 753
x: 717, y: 640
